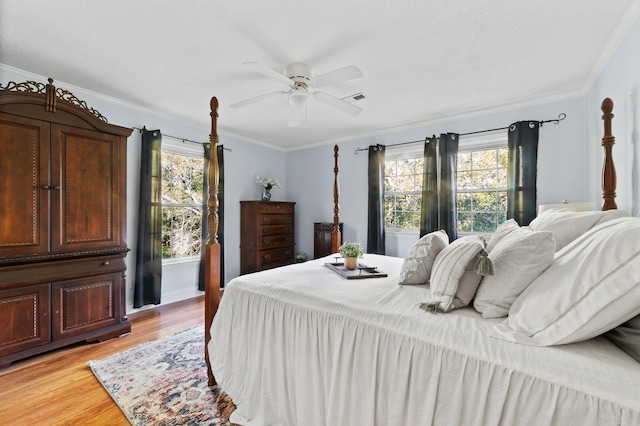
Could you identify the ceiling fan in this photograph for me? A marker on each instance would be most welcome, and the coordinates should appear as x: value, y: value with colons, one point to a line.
x: 302, y: 82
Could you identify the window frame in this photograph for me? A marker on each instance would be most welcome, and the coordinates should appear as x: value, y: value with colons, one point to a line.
x: 492, y: 139
x: 403, y: 152
x: 181, y: 147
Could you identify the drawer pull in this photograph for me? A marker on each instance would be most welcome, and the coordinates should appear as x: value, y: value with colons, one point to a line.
x: 267, y: 219
x: 267, y: 241
x: 106, y: 262
x: 267, y: 256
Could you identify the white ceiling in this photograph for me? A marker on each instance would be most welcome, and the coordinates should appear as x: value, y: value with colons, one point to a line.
x: 423, y: 60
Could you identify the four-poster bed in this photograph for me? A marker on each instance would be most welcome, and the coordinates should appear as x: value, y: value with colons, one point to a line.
x: 301, y: 345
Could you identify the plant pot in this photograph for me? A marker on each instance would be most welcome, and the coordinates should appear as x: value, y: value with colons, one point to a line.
x: 351, y: 262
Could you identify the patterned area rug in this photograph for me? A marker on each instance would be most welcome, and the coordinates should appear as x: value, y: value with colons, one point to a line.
x: 165, y: 382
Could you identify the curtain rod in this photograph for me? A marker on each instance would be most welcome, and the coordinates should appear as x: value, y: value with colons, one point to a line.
x: 561, y: 117
x: 184, y: 139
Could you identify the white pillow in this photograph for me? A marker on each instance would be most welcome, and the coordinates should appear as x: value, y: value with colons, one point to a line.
x: 592, y: 286
x: 501, y: 231
x: 453, y: 279
x: 517, y: 259
x: 568, y: 225
x: 416, y: 267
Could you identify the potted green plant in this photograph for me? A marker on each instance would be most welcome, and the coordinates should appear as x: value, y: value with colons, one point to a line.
x: 351, y: 252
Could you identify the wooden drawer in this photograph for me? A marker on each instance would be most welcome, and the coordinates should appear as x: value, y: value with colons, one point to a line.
x: 276, y: 255
x: 276, y: 230
x: 274, y: 208
x: 276, y: 219
x: 276, y: 241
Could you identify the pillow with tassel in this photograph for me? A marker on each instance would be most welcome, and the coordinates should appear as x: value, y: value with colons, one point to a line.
x: 517, y: 259
x: 456, y: 274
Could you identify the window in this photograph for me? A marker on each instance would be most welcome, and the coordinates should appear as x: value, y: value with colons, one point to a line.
x: 402, y: 189
x: 481, y: 185
x: 182, y: 186
x: 481, y: 197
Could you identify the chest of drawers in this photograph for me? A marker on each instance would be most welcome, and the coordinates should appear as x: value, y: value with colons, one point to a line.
x: 267, y: 237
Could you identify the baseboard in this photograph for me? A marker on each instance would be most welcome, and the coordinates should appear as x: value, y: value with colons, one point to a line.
x: 157, y: 310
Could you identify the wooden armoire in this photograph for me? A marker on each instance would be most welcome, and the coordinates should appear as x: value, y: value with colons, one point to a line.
x: 62, y: 221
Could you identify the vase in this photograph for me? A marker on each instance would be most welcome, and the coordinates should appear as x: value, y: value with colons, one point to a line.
x: 266, y: 195
x: 351, y: 263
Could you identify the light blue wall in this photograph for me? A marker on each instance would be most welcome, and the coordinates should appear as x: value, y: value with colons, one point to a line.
x: 620, y: 81
x: 562, y: 172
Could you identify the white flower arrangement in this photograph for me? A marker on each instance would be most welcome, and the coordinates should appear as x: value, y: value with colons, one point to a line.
x: 268, y: 182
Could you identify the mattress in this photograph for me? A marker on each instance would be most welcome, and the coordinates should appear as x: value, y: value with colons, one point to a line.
x: 301, y: 345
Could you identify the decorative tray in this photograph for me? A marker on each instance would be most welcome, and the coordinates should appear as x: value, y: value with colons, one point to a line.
x: 361, y: 272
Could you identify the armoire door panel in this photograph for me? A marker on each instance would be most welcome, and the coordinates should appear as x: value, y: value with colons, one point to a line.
x: 85, y: 304
x: 24, y: 315
x: 24, y: 187
x: 85, y: 205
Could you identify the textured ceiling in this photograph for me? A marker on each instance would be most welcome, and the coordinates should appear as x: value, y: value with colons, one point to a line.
x: 422, y: 60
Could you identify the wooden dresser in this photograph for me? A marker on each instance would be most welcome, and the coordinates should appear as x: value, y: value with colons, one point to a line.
x: 62, y: 222
x: 266, y: 235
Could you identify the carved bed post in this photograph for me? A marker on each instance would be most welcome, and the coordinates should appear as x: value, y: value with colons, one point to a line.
x: 608, y: 169
x: 212, y: 253
x: 335, y: 233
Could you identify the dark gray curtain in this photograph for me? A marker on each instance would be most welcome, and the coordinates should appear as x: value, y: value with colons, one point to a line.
x: 149, y: 246
x: 375, y: 228
x: 447, y: 209
x: 438, y: 209
x: 429, y: 204
x: 205, y: 211
x: 522, y: 171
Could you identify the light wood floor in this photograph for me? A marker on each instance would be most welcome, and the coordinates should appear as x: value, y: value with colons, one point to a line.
x: 58, y: 388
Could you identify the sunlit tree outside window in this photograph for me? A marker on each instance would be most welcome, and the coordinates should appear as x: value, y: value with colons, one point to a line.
x: 481, y: 198
x: 182, y: 185
x: 403, y: 193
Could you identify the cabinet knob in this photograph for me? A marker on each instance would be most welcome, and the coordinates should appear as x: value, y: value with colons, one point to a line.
x: 45, y: 187
x: 56, y: 187
x: 106, y: 262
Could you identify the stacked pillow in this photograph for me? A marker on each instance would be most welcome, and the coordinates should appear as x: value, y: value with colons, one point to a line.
x: 454, y: 280
x: 592, y: 286
x: 518, y: 255
x: 587, y: 287
x: 569, y: 225
x: 416, y: 267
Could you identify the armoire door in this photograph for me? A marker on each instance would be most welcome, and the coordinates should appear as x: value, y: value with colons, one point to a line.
x: 85, y: 189
x: 24, y: 186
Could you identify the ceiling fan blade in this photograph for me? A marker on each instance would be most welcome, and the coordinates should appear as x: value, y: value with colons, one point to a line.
x: 334, y: 102
x: 298, y: 116
x: 343, y: 74
x: 257, y: 99
x: 265, y: 70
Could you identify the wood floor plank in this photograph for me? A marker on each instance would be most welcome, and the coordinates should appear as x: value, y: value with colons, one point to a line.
x: 58, y: 387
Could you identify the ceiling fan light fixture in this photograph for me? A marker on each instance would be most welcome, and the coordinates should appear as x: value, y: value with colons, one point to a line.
x: 300, y: 99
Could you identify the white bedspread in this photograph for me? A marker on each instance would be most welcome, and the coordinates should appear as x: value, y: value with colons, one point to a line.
x: 301, y: 345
